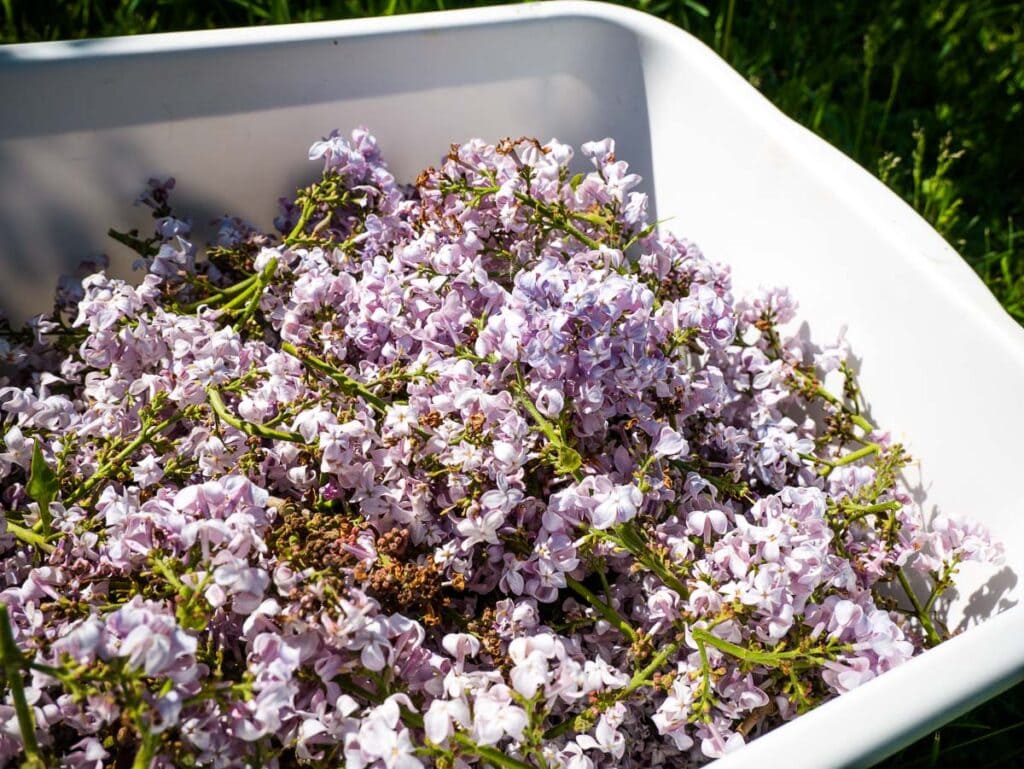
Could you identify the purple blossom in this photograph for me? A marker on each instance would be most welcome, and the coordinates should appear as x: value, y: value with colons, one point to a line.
x: 620, y: 505
x: 438, y: 470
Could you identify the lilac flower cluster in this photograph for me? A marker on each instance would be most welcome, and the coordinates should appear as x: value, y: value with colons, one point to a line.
x: 487, y: 470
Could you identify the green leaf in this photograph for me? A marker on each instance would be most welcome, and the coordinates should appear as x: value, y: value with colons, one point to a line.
x: 43, y: 485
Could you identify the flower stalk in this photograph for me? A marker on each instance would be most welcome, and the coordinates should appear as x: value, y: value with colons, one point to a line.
x: 213, y: 397
x: 347, y: 384
x: 605, y: 610
x: 923, y: 615
x: 146, y: 434
x: 11, y: 661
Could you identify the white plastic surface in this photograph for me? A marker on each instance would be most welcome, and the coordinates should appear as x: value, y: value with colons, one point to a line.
x: 231, y: 114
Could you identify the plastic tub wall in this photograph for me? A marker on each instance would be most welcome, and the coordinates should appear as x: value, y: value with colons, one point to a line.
x: 231, y: 114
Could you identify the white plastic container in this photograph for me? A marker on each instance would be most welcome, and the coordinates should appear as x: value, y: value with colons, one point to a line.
x: 231, y: 114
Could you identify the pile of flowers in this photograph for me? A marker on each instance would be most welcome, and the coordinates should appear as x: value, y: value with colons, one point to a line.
x: 483, y: 471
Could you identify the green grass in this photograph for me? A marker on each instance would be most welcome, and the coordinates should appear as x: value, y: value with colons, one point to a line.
x: 929, y: 94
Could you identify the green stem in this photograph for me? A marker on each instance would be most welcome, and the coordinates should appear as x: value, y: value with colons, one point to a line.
x: 803, y: 704
x: 768, y: 659
x: 862, y: 511
x: 543, y: 424
x: 853, y: 456
x: 706, y: 697
x: 147, y: 751
x: 242, y: 297
x: 255, y: 293
x: 640, y: 678
x: 160, y: 567
x: 605, y: 610
x: 489, y: 754
x: 143, y: 248
x: 148, y: 431
x: 942, y: 584
x: 824, y: 394
x: 532, y: 745
x: 569, y: 460
x: 29, y: 537
x: 257, y: 431
x: 559, y: 221
x: 586, y: 216
x: 604, y: 585
x: 630, y: 539
x: 856, y: 418
x: 11, y: 661
x: 922, y: 615
x: 348, y: 385
x: 307, y: 211
x: 239, y: 286
x: 220, y: 295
